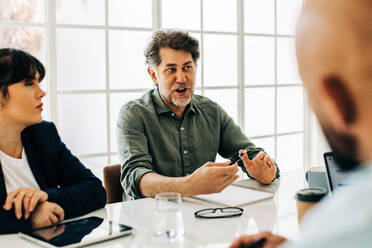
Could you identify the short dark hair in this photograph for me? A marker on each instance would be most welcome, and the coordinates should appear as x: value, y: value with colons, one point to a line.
x: 17, y: 65
x: 177, y: 40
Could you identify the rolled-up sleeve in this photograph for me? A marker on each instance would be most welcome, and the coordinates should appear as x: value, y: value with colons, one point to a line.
x: 134, y: 155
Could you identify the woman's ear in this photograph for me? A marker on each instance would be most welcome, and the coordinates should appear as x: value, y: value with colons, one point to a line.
x: 341, y: 105
x: 152, y: 74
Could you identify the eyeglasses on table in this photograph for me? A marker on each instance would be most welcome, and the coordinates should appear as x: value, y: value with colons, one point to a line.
x: 215, y: 213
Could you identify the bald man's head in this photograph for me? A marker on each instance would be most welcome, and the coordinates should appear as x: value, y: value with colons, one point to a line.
x: 334, y: 52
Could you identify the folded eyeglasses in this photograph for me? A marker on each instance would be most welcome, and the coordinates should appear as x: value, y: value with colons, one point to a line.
x: 215, y: 213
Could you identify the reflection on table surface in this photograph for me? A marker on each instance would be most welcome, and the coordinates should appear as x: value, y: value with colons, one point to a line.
x: 277, y: 214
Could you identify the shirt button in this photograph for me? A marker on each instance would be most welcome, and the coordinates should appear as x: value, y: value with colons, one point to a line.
x: 182, y: 129
x: 185, y: 152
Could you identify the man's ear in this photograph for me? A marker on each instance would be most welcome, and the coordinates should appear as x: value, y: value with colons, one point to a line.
x: 152, y: 74
x: 341, y: 105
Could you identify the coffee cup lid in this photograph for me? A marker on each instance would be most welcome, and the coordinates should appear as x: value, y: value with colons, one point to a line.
x: 310, y: 194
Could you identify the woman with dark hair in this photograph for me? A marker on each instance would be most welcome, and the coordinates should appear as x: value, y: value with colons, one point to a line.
x: 41, y: 182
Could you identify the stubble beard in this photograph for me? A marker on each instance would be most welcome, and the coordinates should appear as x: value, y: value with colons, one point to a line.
x: 345, y: 148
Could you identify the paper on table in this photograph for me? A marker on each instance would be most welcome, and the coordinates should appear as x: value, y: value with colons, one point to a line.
x: 235, y: 196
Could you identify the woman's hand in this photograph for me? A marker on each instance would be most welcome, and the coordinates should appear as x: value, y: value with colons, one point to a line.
x: 26, y: 199
x: 46, y: 214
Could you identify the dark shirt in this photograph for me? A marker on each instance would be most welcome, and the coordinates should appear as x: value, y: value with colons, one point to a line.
x: 151, y: 138
x: 59, y: 173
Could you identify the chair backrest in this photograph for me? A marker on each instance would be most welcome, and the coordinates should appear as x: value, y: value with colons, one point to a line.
x: 111, y: 181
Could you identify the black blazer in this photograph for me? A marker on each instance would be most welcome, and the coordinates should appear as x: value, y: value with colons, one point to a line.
x: 59, y: 173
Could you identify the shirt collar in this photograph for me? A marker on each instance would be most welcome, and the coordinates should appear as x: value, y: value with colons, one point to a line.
x: 161, y: 108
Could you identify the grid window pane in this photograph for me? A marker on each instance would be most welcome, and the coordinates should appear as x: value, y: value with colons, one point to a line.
x: 125, y: 13
x: 176, y: 14
x: 227, y: 99
x: 81, y: 59
x: 22, y: 10
x: 90, y: 12
x: 220, y: 15
x: 115, y: 159
x: 287, y: 63
x: 290, y: 109
x: 287, y: 14
x: 117, y: 100
x: 268, y: 144
x: 259, y: 60
x: 82, y: 122
x: 96, y: 165
x: 220, y: 60
x: 30, y: 39
x: 259, y: 16
x: 259, y: 111
x: 290, y: 152
x: 127, y: 62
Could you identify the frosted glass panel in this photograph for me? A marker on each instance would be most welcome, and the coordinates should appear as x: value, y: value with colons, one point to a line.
x: 227, y: 99
x: 22, y: 11
x: 115, y: 159
x: 117, y: 100
x: 96, y: 165
x: 82, y: 122
x: 268, y: 144
x: 259, y: 60
x: 259, y: 16
x: 180, y: 14
x: 220, y: 15
x: 220, y: 60
x: 130, y: 13
x: 290, y: 152
x: 287, y: 62
x: 90, y: 12
x: 28, y: 39
x: 80, y: 59
x: 290, y: 109
x: 259, y: 111
x: 287, y: 14
x: 127, y: 62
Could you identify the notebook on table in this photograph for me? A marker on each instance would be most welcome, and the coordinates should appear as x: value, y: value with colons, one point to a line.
x: 236, y: 195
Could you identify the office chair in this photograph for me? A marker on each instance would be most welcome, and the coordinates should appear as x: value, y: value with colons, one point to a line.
x: 111, y: 181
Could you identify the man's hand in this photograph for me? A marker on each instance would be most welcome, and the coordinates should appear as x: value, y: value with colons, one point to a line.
x: 262, y: 167
x: 26, y: 199
x: 211, y: 178
x: 272, y: 240
x: 46, y: 214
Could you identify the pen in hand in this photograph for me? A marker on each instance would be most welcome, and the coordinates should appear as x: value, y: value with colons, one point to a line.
x: 237, y: 158
x: 255, y: 244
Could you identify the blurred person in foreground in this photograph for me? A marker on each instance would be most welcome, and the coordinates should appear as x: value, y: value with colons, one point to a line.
x: 334, y: 52
x: 41, y: 181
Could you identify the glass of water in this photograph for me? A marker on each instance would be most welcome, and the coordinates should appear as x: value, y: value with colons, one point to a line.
x: 168, y: 215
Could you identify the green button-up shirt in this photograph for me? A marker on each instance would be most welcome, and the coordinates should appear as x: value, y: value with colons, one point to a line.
x: 151, y: 138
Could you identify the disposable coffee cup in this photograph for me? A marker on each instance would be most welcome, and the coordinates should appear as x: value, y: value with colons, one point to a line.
x: 307, y: 198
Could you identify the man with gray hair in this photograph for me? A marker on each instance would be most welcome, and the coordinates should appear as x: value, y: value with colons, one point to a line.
x: 337, y: 74
x: 169, y: 137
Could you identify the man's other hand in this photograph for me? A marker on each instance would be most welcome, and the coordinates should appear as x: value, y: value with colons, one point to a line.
x: 262, y: 167
x: 211, y: 178
x: 272, y: 240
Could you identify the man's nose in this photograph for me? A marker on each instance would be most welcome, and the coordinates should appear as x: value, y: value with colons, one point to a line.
x: 181, y: 77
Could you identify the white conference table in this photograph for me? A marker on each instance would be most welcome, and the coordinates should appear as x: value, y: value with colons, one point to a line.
x: 278, y: 215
